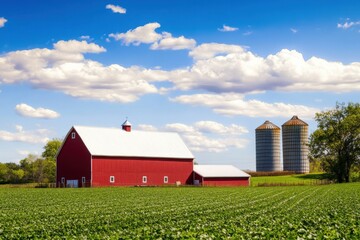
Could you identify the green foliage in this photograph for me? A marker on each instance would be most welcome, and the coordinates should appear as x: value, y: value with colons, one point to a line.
x: 305, y: 212
x: 51, y: 148
x: 336, y: 142
x: 32, y: 168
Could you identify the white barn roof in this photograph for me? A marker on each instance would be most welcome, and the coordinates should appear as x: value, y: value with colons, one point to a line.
x: 219, y: 171
x: 117, y: 142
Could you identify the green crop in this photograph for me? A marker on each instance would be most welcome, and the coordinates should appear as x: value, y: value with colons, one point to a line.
x: 302, y: 212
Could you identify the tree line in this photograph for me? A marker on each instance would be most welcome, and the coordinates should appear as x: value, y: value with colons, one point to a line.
x: 33, y: 169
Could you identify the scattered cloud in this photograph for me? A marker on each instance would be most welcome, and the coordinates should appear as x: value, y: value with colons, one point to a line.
x: 74, y: 46
x: 293, y: 30
x: 227, y: 29
x: 206, y: 136
x: 169, y: 42
x: 142, y: 34
x: 248, y: 33
x: 211, y: 50
x: 66, y: 69
x: 35, y: 136
x: 347, y: 25
x: 116, y: 9
x: 28, y: 111
x: 209, y: 136
x: 159, y: 41
x: 2, y: 21
x: 146, y: 127
x: 235, y: 104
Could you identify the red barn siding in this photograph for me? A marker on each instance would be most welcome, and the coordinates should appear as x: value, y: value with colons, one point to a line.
x: 222, y: 181
x: 128, y: 171
x: 73, y: 161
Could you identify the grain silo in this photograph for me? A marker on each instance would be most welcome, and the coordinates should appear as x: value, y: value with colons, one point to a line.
x: 295, y: 145
x: 268, y: 147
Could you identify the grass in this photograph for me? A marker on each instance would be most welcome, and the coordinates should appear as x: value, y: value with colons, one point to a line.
x: 296, y: 179
x: 304, y: 212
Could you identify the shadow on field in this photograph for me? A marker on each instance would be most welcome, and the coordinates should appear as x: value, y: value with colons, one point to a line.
x: 315, y: 176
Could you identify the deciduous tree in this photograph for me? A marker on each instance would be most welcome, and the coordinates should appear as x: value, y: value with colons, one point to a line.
x: 336, y: 142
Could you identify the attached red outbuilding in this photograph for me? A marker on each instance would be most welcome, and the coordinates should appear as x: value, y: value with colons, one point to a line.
x: 220, y: 175
x: 92, y: 156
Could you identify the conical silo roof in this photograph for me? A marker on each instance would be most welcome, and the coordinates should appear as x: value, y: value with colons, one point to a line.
x: 267, y: 125
x: 295, y: 121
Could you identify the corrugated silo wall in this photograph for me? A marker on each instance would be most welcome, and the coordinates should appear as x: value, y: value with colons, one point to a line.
x: 295, y: 148
x: 268, y: 150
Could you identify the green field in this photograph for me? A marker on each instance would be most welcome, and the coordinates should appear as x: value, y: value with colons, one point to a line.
x: 304, y: 212
x: 296, y: 179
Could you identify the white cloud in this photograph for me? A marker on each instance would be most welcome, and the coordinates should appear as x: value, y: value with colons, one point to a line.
x: 147, y: 127
x: 215, y: 127
x: 35, y: 136
x: 210, y: 50
x: 227, y: 29
x: 235, y: 104
x: 206, y: 136
x: 348, y: 25
x: 209, y: 136
x: 247, y: 33
x: 28, y: 111
x: 147, y: 34
x: 293, y: 30
x: 116, y: 9
x: 65, y: 69
x: 169, y: 42
x: 142, y: 34
x: 2, y: 21
x: 231, y: 68
x: 74, y: 46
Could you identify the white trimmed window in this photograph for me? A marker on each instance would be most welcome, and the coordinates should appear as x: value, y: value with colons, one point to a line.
x: 112, y: 179
x: 83, y: 179
x: 166, y: 179
x: 62, y: 180
x: 73, y: 135
x: 144, y: 179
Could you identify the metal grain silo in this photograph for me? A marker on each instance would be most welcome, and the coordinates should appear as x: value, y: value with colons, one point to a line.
x: 268, y: 147
x: 295, y: 145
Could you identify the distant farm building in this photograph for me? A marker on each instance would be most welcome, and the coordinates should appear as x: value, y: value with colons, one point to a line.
x: 93, y: 156
x: 220, y: 175
x: 268, y: 147
x: 295, y: 145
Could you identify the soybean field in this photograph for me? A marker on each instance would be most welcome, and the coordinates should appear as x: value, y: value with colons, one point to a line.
x: 300, y: 212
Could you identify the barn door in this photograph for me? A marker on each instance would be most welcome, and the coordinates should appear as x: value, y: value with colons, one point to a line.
x: 72, y: 183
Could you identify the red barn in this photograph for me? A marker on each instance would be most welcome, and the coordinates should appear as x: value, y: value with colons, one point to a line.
x: 220, y: 175
x: 92, y: 156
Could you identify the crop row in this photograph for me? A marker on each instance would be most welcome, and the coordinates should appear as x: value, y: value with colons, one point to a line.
x: 305, y: 212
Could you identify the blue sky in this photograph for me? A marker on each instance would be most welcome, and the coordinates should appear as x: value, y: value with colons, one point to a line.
x: 210, y: 70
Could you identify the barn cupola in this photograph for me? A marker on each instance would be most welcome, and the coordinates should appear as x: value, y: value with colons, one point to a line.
x: 126, y: 126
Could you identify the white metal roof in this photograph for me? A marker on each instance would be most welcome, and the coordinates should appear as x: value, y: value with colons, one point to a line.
x: 117, y: 142
x: 219, y: 171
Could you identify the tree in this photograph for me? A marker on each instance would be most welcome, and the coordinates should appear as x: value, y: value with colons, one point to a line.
x: 51, y: 148
x: 336, y: 142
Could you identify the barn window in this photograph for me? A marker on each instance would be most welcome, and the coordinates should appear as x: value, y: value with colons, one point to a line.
x: 73, y: 135
x: 166, y: 179
x: 144, y: 179
x: 62, y: 180
x: 83, y: 179
x: 112, y: 179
